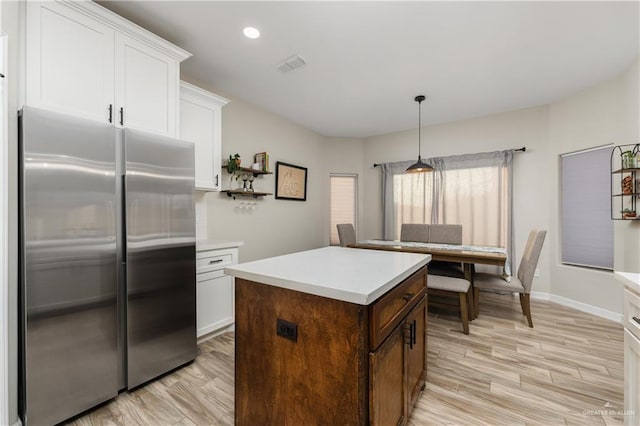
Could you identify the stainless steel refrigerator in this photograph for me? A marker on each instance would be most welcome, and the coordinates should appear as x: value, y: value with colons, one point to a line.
x: 107, y: 262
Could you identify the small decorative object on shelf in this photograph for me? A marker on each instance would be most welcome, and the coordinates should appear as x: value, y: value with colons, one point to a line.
x: 245, y: 178
x: 627, y: 185
x: 625, y: 181
x: 262, y: 159
x: 628, y: 160
x: 233, y: 164
x: 233, y: 167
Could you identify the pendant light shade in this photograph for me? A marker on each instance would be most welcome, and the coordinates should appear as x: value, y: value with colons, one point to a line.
x: 419, y: 166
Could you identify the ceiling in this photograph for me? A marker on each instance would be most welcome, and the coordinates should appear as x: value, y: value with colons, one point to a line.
x: 366, y: 61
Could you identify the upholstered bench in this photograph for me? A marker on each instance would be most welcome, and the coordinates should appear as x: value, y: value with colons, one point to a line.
x: 439, y: 285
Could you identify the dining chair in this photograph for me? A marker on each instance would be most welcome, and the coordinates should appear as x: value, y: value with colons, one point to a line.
x: 414, y: 232
x: 450, y: 288
x: 346, y: 234
x: 446, y: 234
x: 520, y: 284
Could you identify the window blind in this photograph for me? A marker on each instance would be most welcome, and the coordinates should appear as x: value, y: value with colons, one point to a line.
x: 343, y: 203
x: 587, y: 228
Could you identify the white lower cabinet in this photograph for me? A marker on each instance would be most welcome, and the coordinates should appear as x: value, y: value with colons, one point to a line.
x: 632, y: 379
x: 631, y: 357
x: 215, y: 290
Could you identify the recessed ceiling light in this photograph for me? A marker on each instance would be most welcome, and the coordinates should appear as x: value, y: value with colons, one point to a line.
x: 251, y: 32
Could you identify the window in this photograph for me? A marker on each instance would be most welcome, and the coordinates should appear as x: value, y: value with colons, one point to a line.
x: 587, y: 229
x: 473, y: 190
x: 477, y: 197
x: 343, y: 202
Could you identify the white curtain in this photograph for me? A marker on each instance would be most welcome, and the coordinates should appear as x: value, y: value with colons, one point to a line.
x: 474, y: 190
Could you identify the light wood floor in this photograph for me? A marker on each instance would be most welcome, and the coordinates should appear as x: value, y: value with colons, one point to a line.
x: 567, y: 370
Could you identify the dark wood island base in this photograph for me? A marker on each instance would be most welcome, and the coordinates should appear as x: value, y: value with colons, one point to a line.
x: 303, y: 359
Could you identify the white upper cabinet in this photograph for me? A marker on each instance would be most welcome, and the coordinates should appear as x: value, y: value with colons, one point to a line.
x: 146, y: 87
x: 201, y: 123
x: 84, y: 60
x: 69, y: 61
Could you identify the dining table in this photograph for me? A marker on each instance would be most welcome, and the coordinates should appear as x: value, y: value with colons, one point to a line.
x: 468, y: 255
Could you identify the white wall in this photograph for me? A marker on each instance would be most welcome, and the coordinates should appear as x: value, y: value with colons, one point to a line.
x: 276, y: 226
x: 513, y: 129
x: 344, y: 155
x: 607, y: 113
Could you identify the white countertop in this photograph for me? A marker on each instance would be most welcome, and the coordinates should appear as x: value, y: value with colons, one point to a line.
x: 630, y: 279
x: 351, y: 275
x: 216, y: 244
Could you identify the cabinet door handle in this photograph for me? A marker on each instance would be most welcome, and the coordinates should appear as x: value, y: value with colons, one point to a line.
x: 407, y: 297
x: 411, y: 333
x: 217, y: 176
x: 636, y: 319
x: 121, y: 116
x: 413, y: 338
x: 211, y: 262
x: 110, y: 113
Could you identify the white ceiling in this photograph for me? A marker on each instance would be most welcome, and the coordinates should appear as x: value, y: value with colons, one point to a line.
x: 367, y: 60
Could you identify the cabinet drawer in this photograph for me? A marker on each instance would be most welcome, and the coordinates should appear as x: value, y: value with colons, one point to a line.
x: 211, y: 262
x: 390, y: 309
x: 211, y: 275
x: 632, y: 312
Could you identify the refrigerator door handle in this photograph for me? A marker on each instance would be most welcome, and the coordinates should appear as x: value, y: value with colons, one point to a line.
x: 123, y: 212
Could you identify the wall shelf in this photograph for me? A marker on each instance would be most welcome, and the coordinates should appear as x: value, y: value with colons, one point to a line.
x: 625, y: 182
x: 634, y: 169
x: 252, y: 171
x: 240, y: 193
x: 246, y: 192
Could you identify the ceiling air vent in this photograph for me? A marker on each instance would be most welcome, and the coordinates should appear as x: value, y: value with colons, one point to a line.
x: 291, y: 63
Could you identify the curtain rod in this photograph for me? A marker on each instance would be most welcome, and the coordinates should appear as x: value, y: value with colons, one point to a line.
x: 523, y: 149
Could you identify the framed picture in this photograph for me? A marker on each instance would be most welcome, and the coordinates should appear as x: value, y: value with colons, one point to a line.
x: 291, y: 182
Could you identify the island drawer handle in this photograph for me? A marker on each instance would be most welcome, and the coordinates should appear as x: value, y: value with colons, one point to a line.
x: 407, y: 297
x: 211, y: 262
x: 636, y: 319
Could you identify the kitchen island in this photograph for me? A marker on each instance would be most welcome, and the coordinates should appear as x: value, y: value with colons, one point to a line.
x: 330, y: 336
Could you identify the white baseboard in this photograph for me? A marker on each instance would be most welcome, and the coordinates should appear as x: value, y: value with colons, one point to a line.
x: 205, y: 337
x: 540, y: 295
x: 583, y: 307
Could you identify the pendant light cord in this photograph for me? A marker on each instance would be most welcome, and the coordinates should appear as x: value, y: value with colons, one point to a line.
x: 419, y: 128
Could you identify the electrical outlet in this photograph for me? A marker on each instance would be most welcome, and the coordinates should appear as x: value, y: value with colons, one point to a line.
x: 286, y: 329
x: 537, y: 272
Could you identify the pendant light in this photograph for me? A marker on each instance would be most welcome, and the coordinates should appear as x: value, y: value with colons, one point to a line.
x: 419, y: 166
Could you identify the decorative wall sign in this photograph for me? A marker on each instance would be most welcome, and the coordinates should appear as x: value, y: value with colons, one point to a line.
x: 291, y: 182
